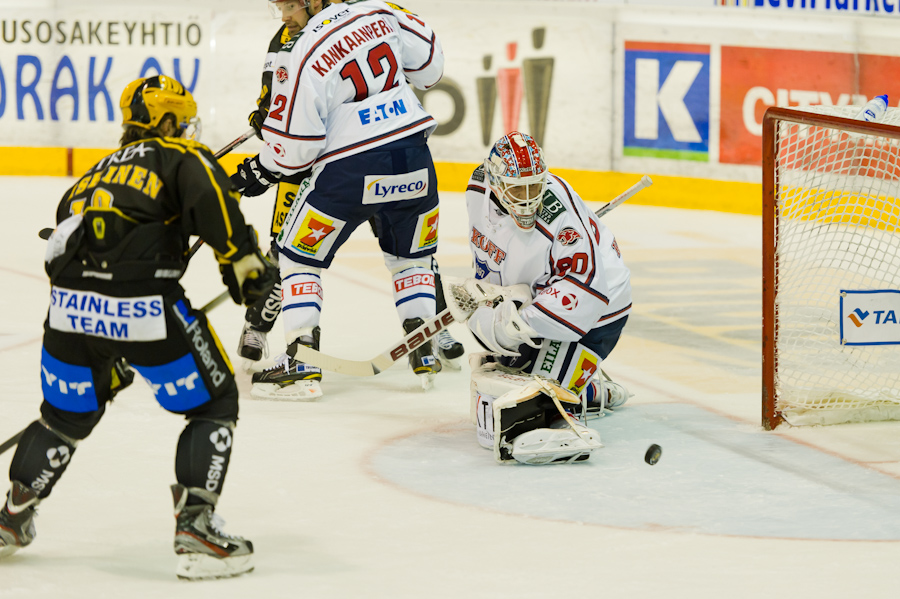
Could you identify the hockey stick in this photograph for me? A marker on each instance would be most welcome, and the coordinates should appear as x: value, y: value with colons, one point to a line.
x: 244, y: 137
x: 425, y: 332
x: 14, y: 440
x: 644, y: 182
x: 45, y: 233
x: 382, y: 361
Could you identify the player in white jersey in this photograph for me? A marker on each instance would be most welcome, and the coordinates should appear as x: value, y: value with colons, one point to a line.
x: 260, y: 317
x: 341, y: 105
x: 566, y: 288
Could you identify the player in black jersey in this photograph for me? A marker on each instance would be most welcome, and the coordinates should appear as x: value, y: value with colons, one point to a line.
x: 114, y: 261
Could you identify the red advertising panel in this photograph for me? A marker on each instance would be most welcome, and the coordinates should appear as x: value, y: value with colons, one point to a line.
x: 755, y: 78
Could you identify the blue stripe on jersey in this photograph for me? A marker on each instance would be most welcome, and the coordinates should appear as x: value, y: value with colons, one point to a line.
x: 614, y: 314
x: 394, y: 133
x: 590, y: 276
x: 561, y: 321
x: 584, y: 287
x: 543, y: 231
x: 430, y: 54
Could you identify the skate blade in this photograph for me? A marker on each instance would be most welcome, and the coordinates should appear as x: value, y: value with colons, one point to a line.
x: 298, y: 391
x: 451, y: 363
x: 427, y: 381
x: 199, y: 566
x: 249, y: 366
x: 7, y: 550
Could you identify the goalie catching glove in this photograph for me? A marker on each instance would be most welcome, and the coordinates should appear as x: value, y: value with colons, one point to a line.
x: 501, y: 329
x: 249, y: 278
x: 492, y: 313
x: 252, y: 178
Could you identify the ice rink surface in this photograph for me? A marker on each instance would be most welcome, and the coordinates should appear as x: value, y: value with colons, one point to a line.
x: 379, y: 490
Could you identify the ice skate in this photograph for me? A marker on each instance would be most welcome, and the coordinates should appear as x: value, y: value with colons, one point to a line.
x: 204, y: 551
x: 449, y: 350
x: 290, y: 379
x: 17, y: 519
x: 253, y: 346
x: 422, y: 359
x: 607, y: 394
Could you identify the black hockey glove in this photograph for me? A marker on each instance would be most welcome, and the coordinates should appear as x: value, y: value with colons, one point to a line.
x: 252, y: 178
x: 249, y: 278
x: 257, y: 118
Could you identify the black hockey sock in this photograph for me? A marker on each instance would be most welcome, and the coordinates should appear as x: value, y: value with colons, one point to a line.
x: 440, y: 304
x: 204, y: 450
x: 41, y: 458
x: 262, y: 314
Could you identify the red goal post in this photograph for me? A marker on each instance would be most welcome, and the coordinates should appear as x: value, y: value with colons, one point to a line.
x: 831, y: 249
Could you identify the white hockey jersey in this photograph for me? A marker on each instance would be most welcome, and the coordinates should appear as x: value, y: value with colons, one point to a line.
x: 340, y: 85
x: 570, y: 259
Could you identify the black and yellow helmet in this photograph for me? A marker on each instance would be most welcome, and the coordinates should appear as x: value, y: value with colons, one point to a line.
x: 146, y: 101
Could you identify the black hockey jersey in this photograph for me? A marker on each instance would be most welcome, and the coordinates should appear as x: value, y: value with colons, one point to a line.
x: 278, y: 40
x: 141, y: 204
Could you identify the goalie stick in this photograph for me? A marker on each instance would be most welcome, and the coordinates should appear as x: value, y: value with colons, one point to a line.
x: 386, y: 359
x: 619, y: 199
x: 382, y: 361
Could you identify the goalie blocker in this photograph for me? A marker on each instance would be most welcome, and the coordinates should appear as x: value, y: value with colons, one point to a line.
x: 522, y: 418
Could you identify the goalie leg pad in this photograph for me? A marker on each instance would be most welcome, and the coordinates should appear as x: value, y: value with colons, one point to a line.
x: 527, y: 422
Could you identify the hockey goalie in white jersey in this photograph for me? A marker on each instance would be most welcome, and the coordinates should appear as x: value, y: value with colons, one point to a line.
x: 550, y: 297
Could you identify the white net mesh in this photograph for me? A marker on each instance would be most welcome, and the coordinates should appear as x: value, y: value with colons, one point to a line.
x: 838, y: 227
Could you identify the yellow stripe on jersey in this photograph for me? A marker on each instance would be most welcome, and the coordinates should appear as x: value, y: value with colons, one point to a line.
x: 190, y: 146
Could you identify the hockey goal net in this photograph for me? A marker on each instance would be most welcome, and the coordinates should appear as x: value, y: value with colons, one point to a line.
x: 831, y: 266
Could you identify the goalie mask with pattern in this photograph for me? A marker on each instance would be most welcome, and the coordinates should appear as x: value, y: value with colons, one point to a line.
x: 517, y: 174
x: 146, y: 101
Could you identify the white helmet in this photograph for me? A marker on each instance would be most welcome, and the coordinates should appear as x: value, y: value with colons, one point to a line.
x: 517, y: 175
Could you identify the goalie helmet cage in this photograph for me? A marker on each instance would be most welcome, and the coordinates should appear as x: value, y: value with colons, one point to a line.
x: 831, y: 224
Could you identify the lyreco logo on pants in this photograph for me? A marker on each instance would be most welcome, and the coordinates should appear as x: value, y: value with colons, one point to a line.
x: 395, y: 188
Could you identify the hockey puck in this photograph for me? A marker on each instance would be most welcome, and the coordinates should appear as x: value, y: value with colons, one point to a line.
x: 654, y: 452
x: 45, y: 233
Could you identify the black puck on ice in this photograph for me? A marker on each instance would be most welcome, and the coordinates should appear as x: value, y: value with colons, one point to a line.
x: 654, y: 452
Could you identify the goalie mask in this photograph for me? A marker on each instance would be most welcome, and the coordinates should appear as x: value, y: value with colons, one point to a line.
x: 146, y: 101
x: 517, y: 175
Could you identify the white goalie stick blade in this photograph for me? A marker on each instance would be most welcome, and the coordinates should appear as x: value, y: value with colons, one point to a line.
x: 384, y: 360
x: 644, y: 182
